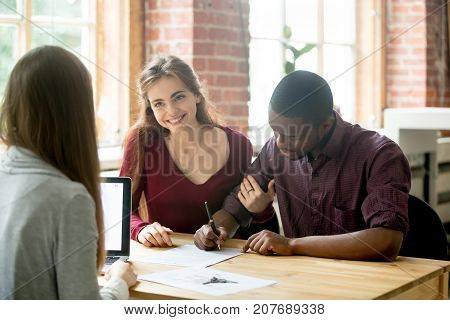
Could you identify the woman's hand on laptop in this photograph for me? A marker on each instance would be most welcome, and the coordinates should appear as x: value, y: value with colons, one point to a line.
x: 123, y: 271
x: 155, y: 235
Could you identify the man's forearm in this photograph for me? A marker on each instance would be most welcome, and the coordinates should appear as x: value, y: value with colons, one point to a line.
x: 369, y: 244
x: 223, y: 218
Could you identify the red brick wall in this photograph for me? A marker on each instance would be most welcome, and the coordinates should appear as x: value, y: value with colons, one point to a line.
x: 208, y: 35
x: 168, y: 28
x: 417, y: 58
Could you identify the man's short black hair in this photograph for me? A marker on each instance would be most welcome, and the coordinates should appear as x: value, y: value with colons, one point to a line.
x: 303, y: 94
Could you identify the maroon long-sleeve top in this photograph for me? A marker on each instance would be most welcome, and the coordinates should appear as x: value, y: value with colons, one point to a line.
x: 359, y: 180
x: 172, y: 199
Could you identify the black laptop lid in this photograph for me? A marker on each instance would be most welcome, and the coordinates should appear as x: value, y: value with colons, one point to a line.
x: 116, y: 202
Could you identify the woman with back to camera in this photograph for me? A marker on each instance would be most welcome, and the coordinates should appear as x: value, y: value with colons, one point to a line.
x: 51, y: 221
x: 179, y: 156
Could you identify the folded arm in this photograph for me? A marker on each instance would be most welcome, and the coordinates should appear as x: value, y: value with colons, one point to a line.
x: 384, y: 209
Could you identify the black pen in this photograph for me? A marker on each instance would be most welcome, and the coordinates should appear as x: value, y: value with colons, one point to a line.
x: 211, y: 222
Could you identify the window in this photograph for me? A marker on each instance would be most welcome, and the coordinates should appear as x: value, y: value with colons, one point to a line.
x: 26, y: 24
x: 83, y: 27
x: 328, y: 24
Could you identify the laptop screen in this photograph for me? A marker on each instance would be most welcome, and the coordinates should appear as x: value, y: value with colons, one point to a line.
x: 116, y: 202
x: 112, y: 199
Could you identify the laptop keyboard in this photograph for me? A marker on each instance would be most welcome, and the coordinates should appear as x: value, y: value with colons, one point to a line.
x: 111, y: 260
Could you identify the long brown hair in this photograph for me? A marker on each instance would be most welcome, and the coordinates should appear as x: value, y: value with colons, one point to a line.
x: 48, y: 108
x: 146, y: 125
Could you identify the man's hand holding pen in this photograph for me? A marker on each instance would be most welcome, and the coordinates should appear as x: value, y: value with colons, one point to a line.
x: 211, y: 222
x: 208, y: 237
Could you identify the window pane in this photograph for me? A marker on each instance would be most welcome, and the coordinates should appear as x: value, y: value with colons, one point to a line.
x: 339, y: 20
x: 266, y: 59
x: 307, y: 61
x: 339, y: 71
x: 265, y: 20
x: 301, y: 16
x: 8, y: 53
x: 8, y: 7
x: 60, y: 8
x: 68, y: 37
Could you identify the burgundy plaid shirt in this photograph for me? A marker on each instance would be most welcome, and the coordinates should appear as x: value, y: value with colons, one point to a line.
x: 360, y: 180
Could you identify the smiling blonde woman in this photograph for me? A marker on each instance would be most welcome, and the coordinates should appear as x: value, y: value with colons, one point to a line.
x: 179, y: 156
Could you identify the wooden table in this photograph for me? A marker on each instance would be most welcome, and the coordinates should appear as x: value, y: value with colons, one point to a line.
x: 301, y: 277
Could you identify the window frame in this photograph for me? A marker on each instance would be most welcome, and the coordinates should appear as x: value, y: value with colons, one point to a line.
x: 371, y: 58
x: 320, y: 43
x: 23, y: 20
x: 131, y: 24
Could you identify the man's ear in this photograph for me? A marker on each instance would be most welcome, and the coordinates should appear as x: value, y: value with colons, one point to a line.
x: 325, y: 126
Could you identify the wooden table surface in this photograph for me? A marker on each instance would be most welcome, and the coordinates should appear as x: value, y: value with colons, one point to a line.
x: 301, y: 277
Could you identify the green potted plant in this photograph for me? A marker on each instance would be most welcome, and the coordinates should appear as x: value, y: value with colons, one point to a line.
x: 291, y: 59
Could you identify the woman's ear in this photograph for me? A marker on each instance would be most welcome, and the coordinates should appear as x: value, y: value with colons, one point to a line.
x: 198, y: 98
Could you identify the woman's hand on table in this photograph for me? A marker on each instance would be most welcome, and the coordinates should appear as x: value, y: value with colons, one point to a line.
x: 155, y: 235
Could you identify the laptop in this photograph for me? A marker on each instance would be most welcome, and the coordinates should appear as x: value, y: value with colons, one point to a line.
x: 116, y: 202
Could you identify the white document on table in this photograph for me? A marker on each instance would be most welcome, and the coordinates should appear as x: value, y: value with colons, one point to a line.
x: 190, y: 256
x: 207, y: 280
